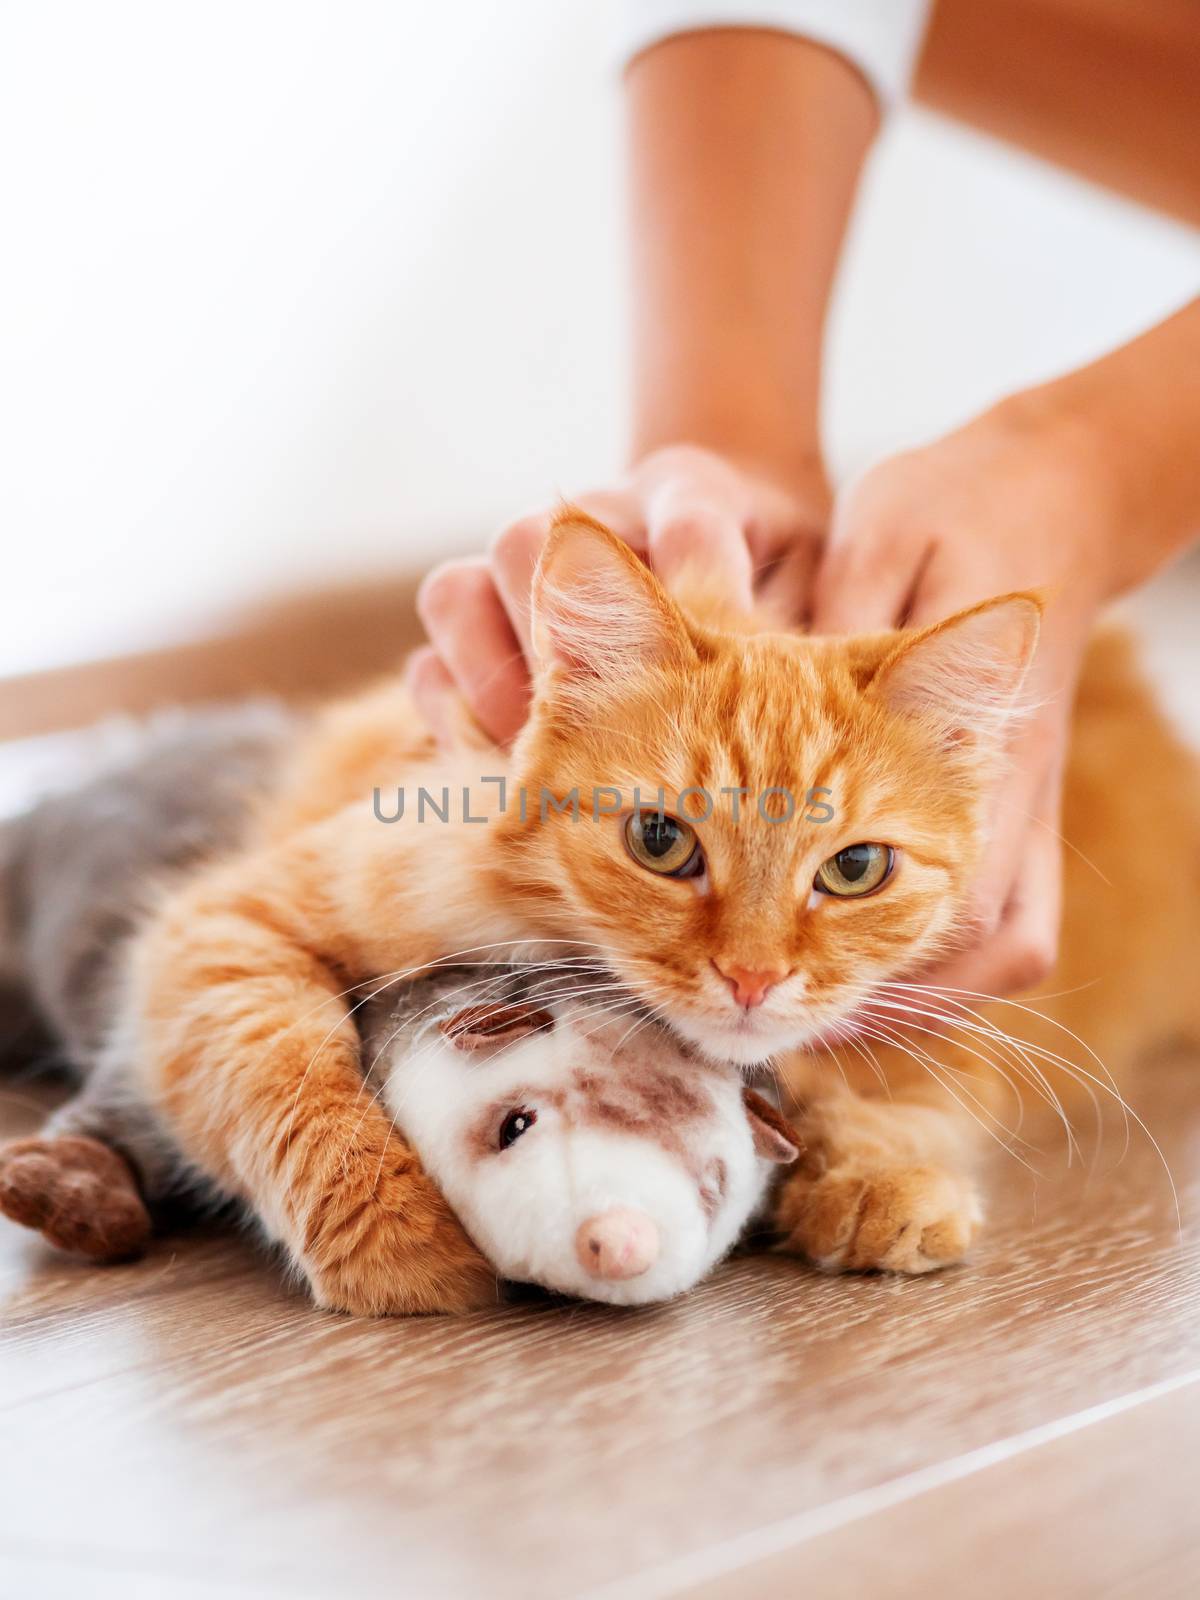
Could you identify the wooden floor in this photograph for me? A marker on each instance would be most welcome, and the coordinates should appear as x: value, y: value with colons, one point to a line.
x: 1029, y: 1423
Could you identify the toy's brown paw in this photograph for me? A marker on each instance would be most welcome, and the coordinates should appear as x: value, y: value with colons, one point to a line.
x: 399, y: 1250
x: 899, y: 1219
x: 77, y: 1193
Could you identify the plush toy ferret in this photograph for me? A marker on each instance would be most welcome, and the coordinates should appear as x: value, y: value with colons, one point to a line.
x: 594, y: 1154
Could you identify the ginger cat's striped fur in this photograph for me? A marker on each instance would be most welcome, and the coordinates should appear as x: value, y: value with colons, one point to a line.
x: 238, y: 1014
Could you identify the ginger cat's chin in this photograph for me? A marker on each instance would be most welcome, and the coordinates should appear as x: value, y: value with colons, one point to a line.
x: 749, y: 1041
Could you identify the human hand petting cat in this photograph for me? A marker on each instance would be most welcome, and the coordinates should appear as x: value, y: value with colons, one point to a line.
x: 1005, y: 503
x: 1017, y: 499
x: 682, y: 508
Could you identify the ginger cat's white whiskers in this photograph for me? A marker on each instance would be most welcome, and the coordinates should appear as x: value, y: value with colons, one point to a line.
x: 1086, y: 1079
x: 893, y: 1035
x: 969, y: 1018
x: 997, y: 1066
x: 1002, y: 1139
x: 1016, y: 1051
x: 382, y: 985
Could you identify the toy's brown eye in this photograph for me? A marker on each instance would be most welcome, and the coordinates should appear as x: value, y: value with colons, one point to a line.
x: 856, y: 870
x: 663, y: 844
x: 514, y: 1125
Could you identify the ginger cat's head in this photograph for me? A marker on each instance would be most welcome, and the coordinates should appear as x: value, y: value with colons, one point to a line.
x: 748, y: 930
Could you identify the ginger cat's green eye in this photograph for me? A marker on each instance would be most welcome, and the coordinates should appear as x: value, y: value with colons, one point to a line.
x: 856, y: 870
x: 663, y: 844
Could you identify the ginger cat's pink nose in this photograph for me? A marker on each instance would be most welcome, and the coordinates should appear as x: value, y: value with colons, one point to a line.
x: 750, y: 985
x: 618, y: 1243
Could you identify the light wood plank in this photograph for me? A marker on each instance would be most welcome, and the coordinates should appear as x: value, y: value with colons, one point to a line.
x: 1108, y: 1507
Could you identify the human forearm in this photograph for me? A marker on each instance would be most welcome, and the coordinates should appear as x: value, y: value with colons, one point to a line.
x: 1133, y: 418
x: 745, y: 149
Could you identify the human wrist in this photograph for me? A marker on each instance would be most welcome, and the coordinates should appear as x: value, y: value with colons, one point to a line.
x: 1071, y: 452
x: 797, y: 471
x: 1056, y: 423
x: 1130, y: 420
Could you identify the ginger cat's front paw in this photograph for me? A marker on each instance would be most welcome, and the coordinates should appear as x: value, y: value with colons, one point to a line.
x: 391, y: 1246
x: 856, y: 1218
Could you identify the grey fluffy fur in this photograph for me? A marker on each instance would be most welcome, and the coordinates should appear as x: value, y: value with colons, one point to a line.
x: 77, y: 873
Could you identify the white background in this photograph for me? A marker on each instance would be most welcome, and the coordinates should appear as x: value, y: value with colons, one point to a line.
x: 290, y: 290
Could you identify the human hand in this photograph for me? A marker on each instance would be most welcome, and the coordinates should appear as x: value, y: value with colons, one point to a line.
x: 680, y: 508
x: 1012, y: 501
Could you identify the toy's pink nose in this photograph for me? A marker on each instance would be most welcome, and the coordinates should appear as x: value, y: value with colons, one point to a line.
x: 618, y: 1243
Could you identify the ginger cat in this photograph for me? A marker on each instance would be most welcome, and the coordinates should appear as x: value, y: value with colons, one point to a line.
x: 751, y: 934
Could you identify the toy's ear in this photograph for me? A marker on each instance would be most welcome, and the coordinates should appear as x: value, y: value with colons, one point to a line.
x: 489, y: 1027
x: 774, y: 1137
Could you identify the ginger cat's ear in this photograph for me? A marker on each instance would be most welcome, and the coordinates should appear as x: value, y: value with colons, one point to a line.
x: 598, y: 612
x: 964, y: 673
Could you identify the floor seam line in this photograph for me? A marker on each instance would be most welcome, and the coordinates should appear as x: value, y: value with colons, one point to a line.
x: 676, y: 1576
